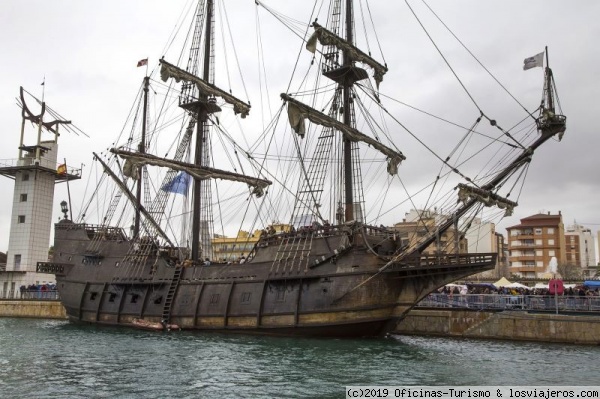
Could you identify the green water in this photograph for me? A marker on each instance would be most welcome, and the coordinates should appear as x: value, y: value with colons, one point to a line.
x: 56, y: 359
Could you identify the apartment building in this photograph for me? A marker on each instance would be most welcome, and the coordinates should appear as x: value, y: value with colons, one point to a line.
x: 420, y: 223
x: 581, y: 249
x: 534, y: 242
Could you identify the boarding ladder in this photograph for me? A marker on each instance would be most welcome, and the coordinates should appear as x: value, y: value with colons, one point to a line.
x: 166, y: 315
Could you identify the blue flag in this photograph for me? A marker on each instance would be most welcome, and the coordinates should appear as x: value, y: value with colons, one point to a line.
x: 179, y: 184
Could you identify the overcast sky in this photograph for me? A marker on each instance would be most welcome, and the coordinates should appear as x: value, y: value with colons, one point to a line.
x: 87, y: 53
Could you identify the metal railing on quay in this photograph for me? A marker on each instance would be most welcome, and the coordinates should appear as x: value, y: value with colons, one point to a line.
x: 48, y: 295
x: 513, y: 302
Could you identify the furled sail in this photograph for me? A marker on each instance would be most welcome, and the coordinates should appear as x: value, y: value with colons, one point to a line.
x: 168, y: 70
x: 298, y: 111
x: 328, y: 38
x: 201, y: 172
x: 486, y: 197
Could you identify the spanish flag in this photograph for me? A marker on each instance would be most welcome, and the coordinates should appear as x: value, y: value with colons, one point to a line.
x: 62, y: 169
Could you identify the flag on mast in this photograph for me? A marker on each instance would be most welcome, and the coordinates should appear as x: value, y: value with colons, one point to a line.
x: 178, y: 185
x: 142, y: 62
x: 535, y: 61
x: 62, y: 169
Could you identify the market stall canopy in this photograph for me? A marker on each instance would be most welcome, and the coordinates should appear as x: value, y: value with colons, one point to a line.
x: 592, y: 283
x: 517, y: 285
x: 503, y: 282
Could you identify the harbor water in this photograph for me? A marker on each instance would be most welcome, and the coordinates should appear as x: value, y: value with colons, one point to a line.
x: 57, y: 359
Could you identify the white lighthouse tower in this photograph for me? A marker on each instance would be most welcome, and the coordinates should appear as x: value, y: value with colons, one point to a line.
x: 35, y: 173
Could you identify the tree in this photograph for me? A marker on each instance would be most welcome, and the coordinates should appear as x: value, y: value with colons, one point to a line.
x: 569, y: 271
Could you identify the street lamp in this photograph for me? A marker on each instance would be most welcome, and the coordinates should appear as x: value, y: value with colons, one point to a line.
x: 64, y: 209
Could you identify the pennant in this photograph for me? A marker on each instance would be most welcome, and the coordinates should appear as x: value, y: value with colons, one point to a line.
x: 62, y: 169
x: 142, y: 62
x: 178, y: 185
x: 535, y: 61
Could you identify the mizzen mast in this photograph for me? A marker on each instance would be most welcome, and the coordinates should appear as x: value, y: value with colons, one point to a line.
x: 142, y: 150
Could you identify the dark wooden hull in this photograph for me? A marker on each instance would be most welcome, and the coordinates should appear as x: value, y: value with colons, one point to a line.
x: 336, y: 290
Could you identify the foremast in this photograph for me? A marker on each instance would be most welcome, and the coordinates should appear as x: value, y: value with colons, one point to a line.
x: 345, y: 73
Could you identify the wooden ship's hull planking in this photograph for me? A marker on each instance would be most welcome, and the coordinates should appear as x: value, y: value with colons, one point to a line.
x: 343, y: 295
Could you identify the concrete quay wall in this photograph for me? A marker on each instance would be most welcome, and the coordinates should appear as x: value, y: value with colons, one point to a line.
x: 32, y: 308
x: 506, y: 325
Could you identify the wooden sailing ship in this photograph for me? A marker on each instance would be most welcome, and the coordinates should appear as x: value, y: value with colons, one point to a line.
x: 329, y: 273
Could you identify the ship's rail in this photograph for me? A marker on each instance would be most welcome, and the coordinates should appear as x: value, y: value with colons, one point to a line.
x: 107, y: 232
x: 445, y: 260
x: 513, y: 302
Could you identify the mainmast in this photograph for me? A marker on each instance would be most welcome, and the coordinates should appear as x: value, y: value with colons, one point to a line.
x: 347, y: 90
x: 202, y: 117
x: 199, y: 97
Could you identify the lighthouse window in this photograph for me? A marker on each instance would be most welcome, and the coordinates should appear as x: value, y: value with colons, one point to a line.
x: 93, y: 296
x: 214, y: 299
x: 112, y: 297
x: 21, y: 218
x: 23, y: 198
x: 25, y: 177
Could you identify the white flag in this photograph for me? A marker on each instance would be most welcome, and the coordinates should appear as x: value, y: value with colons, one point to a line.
x: 535, y: 61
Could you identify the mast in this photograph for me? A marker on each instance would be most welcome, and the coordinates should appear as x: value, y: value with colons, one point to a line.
x: 548, y: 85
x: 200, y: 137
x: 142, y: 150
x: 549, y: 124
x: 347, y: 90
x: 338, y: 63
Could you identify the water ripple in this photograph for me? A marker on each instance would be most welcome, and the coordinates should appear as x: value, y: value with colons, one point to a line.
x: 56, y: 359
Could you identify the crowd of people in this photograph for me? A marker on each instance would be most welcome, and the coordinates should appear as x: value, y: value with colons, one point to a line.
x: 479, y: 289
x: 37, y: 291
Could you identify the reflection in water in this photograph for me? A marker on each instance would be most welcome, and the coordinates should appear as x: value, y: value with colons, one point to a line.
x: 57, y: 359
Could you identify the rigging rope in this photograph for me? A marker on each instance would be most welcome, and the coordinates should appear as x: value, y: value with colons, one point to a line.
x: 476, y: 59
x: 443, y: 57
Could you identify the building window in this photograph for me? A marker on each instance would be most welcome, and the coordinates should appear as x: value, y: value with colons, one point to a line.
x: 550, y: 241
x: 538, y: 242
x: 23, y: 198
x: 550, y: 230
x: 538, y: 252
x: 538, y: 231
x: 18, y: 262
x: 25, y: 177
x: 21, y: 219
x: 551, y: 253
